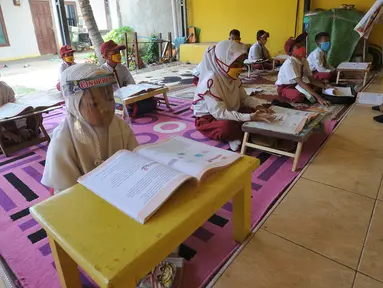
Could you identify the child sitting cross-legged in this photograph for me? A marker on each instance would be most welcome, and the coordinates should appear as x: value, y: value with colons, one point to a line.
x: 295, y: 71
x: 317, y: 59
x: 90, y: 132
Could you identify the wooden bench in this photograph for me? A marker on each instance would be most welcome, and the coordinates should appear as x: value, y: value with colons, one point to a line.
x: 115, y: 250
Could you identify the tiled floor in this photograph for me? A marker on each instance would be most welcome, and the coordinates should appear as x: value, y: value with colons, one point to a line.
x: 328, y: 230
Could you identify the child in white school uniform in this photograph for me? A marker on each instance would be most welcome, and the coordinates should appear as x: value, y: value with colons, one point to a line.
x: 259, y: 51
x: 295, y: 71
x: 317, y: 59
x: 112, y: 54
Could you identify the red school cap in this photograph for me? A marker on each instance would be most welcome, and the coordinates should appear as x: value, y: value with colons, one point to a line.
x: 66, y: 49
x: 111, y: 46
x: 289, y: 44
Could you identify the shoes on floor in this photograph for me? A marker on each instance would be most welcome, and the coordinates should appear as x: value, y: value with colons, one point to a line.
x: 376, y: 108
x: 379, y: 118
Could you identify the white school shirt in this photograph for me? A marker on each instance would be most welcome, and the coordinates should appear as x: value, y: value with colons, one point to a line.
x: 257, y: 51
x: 292, y: 69
x: 123, y: 74
x: 317, y: 61
x: 209, y: 105
x: 64, y: 66
x: 197, y: 70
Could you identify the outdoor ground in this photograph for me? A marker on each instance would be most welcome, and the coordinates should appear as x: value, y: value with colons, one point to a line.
x: 41, y: 73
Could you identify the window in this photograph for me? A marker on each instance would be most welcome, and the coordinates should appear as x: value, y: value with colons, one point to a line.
x: 71, y: 13
x: 3, y: 31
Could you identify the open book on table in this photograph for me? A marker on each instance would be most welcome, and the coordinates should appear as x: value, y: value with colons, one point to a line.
x: 136, y: 89
x: 10, y: 109
x: 288, y: 121
x: 139, y: 182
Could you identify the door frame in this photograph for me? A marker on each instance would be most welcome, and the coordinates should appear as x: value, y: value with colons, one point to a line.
x: 54, y: 28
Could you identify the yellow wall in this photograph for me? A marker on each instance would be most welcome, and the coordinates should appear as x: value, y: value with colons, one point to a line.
x: 362, y: 5
x: 217, y: 17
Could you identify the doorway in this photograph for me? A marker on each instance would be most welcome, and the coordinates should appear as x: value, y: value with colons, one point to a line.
x: 42, y: 20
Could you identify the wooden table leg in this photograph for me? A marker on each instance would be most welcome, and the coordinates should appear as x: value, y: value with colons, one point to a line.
x: 365, y: 78
x: 242, y: 210
x: 297, y: 156
x: 66, y: 268
x: 337, y: 77
x: 244, y: 142
x: 166, y: 100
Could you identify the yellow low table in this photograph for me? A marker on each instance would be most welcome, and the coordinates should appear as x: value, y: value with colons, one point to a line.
x: 116, y: 251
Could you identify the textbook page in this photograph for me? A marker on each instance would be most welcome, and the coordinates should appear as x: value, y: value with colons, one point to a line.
x: 134, y: 184
x: 370, y: 98
x: 338, y: 91
x: 135, y: 89
x: 188, y: 156
x: 12, y: 109
x: 288, y: 121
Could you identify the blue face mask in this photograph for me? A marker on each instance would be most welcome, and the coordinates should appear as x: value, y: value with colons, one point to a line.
x: 325, y: 46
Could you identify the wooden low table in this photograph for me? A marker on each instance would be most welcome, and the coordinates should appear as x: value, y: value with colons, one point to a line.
x: 357, y: 67
x: 148, y: 95
x: 115, y: 250
x: 9, y: 149
x: 299, y: 138
x: 280, y: 58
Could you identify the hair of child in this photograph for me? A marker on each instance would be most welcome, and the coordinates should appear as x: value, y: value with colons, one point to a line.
x: 235, y: 32
x: 319, y: 36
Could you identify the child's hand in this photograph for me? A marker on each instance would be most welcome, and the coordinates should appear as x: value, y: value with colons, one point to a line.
x: 323, y: 102
x: 263, y: 109
x: 262, y: 117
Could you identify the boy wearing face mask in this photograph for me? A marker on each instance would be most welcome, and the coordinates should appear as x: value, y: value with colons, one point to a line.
x: 112, y: 54
x: 296, y: 71
x: 66, y: 54
x: 317, y: 59
x: 259, y: 51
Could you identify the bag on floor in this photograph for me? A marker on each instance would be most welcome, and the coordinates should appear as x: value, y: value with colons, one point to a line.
x: 141, y: 107
x: 340, y: 99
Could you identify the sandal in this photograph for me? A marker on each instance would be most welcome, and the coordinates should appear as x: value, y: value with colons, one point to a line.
x: 378, y: 118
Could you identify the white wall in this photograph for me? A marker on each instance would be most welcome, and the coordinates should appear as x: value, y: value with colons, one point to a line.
x: 148, y: 16
x: 21, y: 31
x: 98, y: 7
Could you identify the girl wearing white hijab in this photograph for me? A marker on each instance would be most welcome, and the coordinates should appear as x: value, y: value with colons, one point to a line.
x: 220, y: 98
x: 90, y: 132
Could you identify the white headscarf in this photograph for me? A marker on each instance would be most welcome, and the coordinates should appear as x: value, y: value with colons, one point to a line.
x: 76, y: 147
x: 213, y: 76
